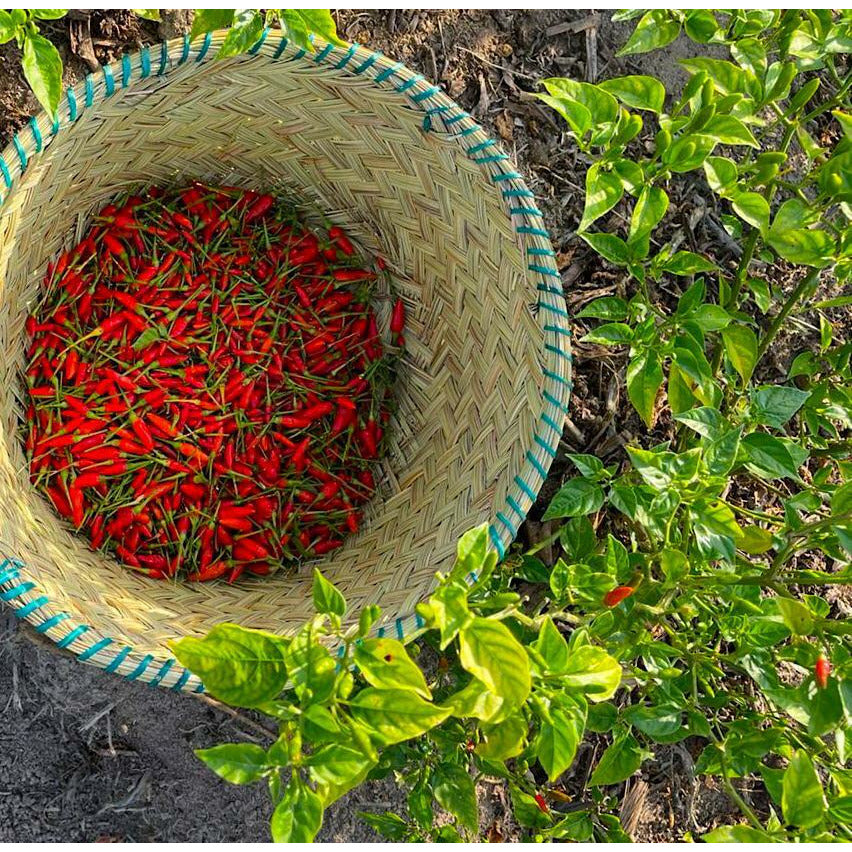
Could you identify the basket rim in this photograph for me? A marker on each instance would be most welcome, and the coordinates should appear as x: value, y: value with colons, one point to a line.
x: 441, y: 115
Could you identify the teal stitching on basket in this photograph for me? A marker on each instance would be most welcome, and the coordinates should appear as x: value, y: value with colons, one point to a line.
x: 72, y: 105
x: 165, y: 668
x: 516, y: 507
x: 323, y: 53
x: 180, y: 683
x: 144, y: 62
x: 543, y: 270
x: 17, y: 591
x: 257, y: 45
x: 367, y: 63
x: 37, y: 140
x: 388, y: 72
x: 496, y: 541
x: 531, y: 213
x: 51, y: 622
x: 93, y: 649
x: 184, y: 55
x: 205, y: 46
x: 66, y: 640
x: 347, y: 57
x: 109, y: 79
x: 118, y: 659
x: 32, y: 606
x: 22, y: 154
x: 282, y: 46
x: 140, y: 669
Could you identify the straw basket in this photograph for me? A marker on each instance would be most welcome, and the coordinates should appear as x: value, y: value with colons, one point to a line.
x: 410, y: 176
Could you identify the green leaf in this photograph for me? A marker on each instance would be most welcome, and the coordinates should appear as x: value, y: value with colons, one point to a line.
x: 447, y: 610
x: 8, y: 27
x: 503, y: 740
x: 737, y: 834
x: 526, y: 811
x: 729, y: 130
x: 752, y: 208
x: 602, y: 107
x: 637, y: 91
x: 610, y: 334
x: 474, y: 701
x: 644, y: 380
x: 490, y: 652
x: 385, y: 664
x: 337, y: 768
x: 769, y: 457
x: 311, y: 666
x: 389, y: 825
x: 238, y: 666
x: 796, y: 616
x: 52, y: 14
x: 727, y: 78
x: 560, y: 734
x: 658, y: 722
x: 593, y: 672
x: 327, y: 598
x: 688, y: 263
x: 149, y: 14
x: 655, y: 29
x: 474, y: 555
x: 650, y: 207
x: 809, y: 247
x: 552, y: 646
x: 741, y: 348
x: 297, y: 818
x: 775, y: 405
x: 207, y: 20
x: 603, y: 192
x: 608, y: 246
x: 620, y: 760
x: 455, y: 793
x: 42, y: 67
x: 246, y: 29
x: 395, y: 715
x: 689, y: 152
x: 589, y: 466
x: 237, y: 763
x: 700, y: 25
x: 579, y: 118
x: 802, y: 799
x: 755, y: 540
x: 750, y: 54
x: 298, y: 24
x: 607, y: 307
x: 716, y: 529
x: 576, y: 497
x: 722, y: 175
x: 792, y: 215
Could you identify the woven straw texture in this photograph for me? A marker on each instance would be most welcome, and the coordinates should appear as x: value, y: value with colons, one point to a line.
x: 410, y: 176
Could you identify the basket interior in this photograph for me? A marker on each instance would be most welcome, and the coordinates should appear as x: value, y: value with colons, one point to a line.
x: 470, y: 392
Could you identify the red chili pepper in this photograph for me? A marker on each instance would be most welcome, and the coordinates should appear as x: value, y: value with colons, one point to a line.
x: 542, y: 804
x: 397, y: 322
x: 615, y: 596
x: 822, y: 671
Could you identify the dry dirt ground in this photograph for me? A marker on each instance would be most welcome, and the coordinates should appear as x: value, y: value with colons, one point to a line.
x: 85, y: 756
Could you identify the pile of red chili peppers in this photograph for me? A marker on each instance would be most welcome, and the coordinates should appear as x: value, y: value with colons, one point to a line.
x: 208, y: 384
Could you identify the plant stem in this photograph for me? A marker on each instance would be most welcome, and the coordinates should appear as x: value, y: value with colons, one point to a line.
x: 775, y: 326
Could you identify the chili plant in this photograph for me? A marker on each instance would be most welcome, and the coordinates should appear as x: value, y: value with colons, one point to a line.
x: 727, y: 630
x: 42, y: 64
x: 519, y: 692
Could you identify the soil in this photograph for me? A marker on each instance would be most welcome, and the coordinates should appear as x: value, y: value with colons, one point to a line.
x: 86, y: 756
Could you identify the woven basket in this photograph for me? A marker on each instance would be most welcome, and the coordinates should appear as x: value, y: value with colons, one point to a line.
x: 410, y: 176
